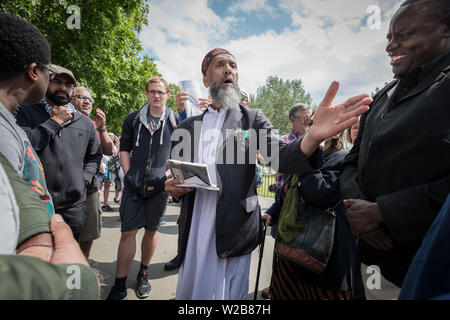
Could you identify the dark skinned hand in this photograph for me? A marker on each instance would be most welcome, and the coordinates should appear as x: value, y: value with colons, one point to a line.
x: 363, y: 216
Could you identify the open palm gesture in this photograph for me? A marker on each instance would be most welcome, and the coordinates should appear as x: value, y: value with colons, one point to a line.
x: 331, y: 119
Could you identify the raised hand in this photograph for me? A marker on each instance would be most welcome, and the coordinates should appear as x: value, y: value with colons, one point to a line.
x: 179, y: 101
x: 100, y: 118
x: 329, y: 119
x: 61, y: 115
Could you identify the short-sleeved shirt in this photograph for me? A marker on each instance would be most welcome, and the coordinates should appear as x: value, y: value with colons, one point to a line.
x: 19, y: 203
x: 16, y: 147
x: 9, y: 218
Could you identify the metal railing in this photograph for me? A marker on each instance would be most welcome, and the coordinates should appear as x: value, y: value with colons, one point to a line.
x: 263, y: 189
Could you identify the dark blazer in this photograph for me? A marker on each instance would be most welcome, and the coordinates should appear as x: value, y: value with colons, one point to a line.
x: 401, y: 160
x: 238, y: 220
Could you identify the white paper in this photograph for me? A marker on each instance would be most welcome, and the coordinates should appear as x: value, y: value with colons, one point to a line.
x: 195, y: 182
x: 195, y: 175
x: 193, y: 88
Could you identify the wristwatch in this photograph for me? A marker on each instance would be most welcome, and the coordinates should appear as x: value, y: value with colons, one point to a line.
x: 101, y: 129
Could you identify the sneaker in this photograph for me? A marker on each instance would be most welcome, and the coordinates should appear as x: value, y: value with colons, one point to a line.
x: 163, y: 222
x: 116, y: 294
x: 107, y: 208
x: 116, y: 200
x: 143, y: 286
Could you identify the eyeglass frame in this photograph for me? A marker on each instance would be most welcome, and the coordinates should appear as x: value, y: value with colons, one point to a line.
x: 50, y: 69
x: 65, y: 83
x: 307, y: 121
x: 83, y: 97
x: 154, y: 92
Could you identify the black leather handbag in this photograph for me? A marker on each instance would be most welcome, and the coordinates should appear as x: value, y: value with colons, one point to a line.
x: 312, y: 246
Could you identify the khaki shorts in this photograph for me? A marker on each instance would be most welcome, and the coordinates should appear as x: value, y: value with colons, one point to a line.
x: 93, y: 221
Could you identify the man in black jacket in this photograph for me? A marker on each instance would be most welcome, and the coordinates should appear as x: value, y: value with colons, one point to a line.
x: 396, y: 177
x: 145, y: 145
x: 67, y: 144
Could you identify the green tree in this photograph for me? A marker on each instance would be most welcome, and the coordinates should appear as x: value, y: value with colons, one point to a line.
x: 277, y: 97
x: 104, y: 53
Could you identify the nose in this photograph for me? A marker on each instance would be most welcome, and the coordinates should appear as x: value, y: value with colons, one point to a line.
x: 228, y: 68
x: 392, y: 44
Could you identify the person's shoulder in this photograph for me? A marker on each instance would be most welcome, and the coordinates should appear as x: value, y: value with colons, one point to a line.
x: 29, y: 108
x: 190, y: 121
x: 82, y: 117
x: 132, y: 114
x: 384, y: 90
x: 252, y: 111
x: 130, y: 118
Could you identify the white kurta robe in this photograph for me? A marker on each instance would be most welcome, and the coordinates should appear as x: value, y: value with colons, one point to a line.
x: 203, y: 275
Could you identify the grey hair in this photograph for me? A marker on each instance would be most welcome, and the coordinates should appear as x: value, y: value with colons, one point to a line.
x: 83, y: 88
x: 298, y: 107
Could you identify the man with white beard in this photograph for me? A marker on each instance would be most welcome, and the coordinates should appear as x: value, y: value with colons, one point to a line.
x: 218, y: 230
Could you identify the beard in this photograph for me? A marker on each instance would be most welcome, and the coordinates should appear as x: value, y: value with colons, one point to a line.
x: 58, y: 100
x: 227, y: 98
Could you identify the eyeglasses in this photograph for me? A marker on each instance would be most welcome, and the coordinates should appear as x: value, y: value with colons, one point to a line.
x: 154, y: 92
x: 52, y: 72
x: 67, y: 84
x: 81, y: 97
x: 307, y: 121
x: 50, y: 69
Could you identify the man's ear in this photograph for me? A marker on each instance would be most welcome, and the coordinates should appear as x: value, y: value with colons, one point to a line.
x: 32, y: 72
x: 206, y: 81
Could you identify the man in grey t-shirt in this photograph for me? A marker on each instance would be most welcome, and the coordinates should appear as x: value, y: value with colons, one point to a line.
x: 24, y: 76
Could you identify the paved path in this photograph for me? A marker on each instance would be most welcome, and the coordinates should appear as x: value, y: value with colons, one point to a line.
x: 104, y: 255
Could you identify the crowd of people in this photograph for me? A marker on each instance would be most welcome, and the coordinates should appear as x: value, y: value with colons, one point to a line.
x: 389, y: 193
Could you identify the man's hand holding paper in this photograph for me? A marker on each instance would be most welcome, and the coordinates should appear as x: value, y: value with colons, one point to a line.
x: 173, y: 190
x: 184, y: 96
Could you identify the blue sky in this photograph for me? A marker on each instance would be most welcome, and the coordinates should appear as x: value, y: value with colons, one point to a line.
x: 259, y: 21
x: 317, y: 41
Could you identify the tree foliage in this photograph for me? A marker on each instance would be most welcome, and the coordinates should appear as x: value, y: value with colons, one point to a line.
x: 104, y: 53
x: 277, y: 97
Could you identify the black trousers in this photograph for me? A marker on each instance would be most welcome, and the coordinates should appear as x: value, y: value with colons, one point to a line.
x: 74, y: 217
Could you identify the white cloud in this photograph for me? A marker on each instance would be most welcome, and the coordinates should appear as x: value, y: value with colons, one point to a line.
x: 182, y: 32
x: 249, y: 6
